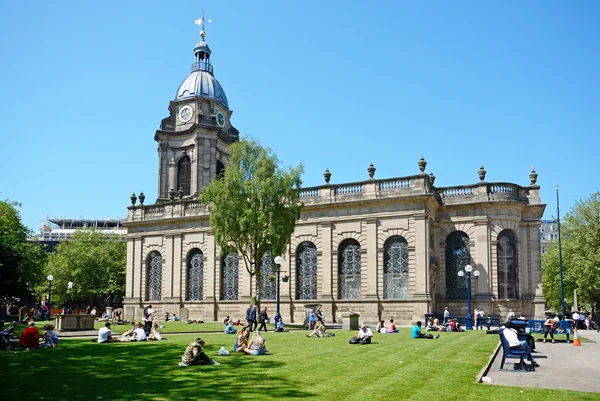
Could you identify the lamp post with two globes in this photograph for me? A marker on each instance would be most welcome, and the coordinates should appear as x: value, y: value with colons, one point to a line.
x: 278, y: 262
x: 69, y: 287
x: 469, y: 269
x: 50, y: 278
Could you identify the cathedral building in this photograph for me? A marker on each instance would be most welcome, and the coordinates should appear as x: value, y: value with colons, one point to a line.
x: 384, y: 248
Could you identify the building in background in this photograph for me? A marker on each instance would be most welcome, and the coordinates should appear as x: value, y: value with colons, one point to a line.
x: 55, y: 230
x: 548, y: 234
x: 385, y: 248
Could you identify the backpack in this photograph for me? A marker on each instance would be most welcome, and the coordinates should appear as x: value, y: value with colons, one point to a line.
x: 145, y: 312
x: 354, y: 340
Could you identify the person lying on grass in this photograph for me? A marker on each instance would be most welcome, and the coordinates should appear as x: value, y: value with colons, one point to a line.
x: 257, y: 345
x: 194, y: 355
x: 416, y: 332
x: 241, y: 342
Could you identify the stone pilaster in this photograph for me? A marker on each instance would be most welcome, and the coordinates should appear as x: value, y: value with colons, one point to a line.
x: 325, y: 292
x: 179, y: 266
x: 167, y: 269
x: 129, y: 271
x: 138, y: 266
x: 371, y: 293
x: 481, y: 259
x: 536, y: 268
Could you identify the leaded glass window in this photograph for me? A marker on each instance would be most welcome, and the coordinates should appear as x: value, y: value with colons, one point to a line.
x: 268, y: 274
x: 195, y: 275
x: 349, y: 270
x: 154, y: 276
x: 229, y: 277
x: 184, y: 175
x: 458, y: 256
x: 507, y: 265
x: 395, y: 268
x: 306, y: 270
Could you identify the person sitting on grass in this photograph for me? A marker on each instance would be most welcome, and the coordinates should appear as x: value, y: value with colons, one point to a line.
x: 364, y: 334
x: 30, y: 337
x: 194, y: 355
x: 392, y: 327
x: 241, y: 342
x: 381, y: 327
x: 280, y: 327
x: 105, y: 335
x: 50, y: 337
x: 257, y: 345
x: 226, y: 321
x: 319, y: 330
x: 416, y: 332
x: 139, y: 334
x: 229, y: 329
x: 512, y: 337
x: 155, y: 334
x: 175, y: 317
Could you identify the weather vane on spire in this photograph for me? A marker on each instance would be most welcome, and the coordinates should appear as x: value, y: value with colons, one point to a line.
x: 201, y: 21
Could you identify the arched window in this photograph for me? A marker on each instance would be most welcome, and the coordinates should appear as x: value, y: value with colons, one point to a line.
x: 220, y: 169
x: 195, y: 275
x: 349, y: 270
x: 229, y: 277
x: 184, y: 175
x: 306, y: 271
x: 268, y: 277
x: 395, y: 268
x: 154, y: 282
x: 458, y: 256
x: 507, y: 265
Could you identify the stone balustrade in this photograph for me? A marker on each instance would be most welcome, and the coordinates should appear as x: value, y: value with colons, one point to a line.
x: 370, y: 189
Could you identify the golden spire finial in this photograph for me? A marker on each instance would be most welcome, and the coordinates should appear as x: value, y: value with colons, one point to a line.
x: 201, y: 21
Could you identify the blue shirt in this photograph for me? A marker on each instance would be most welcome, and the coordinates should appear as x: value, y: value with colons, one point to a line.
x: 416, y: 331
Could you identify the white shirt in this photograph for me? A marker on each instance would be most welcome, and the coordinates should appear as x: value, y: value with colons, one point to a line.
x: 512, y: 337
x: 446, y: 313
x: 103, y: 334
x: 366, y: 333
x: 511, y: 315
x: 140, y: 334
x: 575, y: 316
x: 150, y: 312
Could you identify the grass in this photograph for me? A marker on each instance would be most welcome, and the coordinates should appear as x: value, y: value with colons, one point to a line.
x: 393, y: 367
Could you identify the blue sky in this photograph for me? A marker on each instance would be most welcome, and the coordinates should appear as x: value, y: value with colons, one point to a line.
x: 336, y: 84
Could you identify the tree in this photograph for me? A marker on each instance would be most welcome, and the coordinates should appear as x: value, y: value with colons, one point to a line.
x: 21, y: 262
x: 580, y: 237
x: 254, y: 205
x: 95, y: 262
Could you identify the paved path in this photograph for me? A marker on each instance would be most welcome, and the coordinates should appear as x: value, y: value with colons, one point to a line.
x: 562, y: 366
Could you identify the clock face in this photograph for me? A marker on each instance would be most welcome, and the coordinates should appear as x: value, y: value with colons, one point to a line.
x: 185, y: 113
x: 220, y: 118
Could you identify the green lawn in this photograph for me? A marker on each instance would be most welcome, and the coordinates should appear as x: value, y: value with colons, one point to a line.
x: 393, y: 367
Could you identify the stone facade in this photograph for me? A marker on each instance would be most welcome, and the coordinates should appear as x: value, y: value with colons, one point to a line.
x: 383, y: 248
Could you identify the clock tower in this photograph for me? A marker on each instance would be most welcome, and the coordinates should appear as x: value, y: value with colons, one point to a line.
x: 193, y: 141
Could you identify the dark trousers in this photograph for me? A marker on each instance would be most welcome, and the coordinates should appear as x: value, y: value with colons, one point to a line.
x: 252, y: 324
x: 147, y: 327
x: 263, y: 324
x: 201, y: 359
x: 548, y: 330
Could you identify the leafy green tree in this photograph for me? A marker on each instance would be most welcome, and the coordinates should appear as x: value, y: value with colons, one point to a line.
x: 254, y: 205
x: 96, y: 264
x: 21, y: 262
x: 580, y: 236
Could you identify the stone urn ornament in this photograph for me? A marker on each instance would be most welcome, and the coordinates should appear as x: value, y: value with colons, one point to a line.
x: 422, y: 164
x: 172, y: 194
x: 431, y: 178
x: 533, y: 176
x: 142, y: 198
x: 481, y: 173
x: 327, y: 176
x: 371, y: 171
x: 133, y: 199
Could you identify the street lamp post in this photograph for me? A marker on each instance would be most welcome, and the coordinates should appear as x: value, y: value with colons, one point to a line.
x: 69, y: 287
x: 50, y: 278
x: 469, y: 269
x: 278, y: 262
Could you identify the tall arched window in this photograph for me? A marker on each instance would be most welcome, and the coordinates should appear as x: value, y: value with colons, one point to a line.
x: 306, y: 271
x: 395, y: 268
x: 458, y: 255
x: 184, y: 175
x: 229, y: 277
x: 268, y: 275
x: 349, y: 270
x: 154, y: 282
x: 220, y: 169
x: 507, y: 265
x: 195, y: 275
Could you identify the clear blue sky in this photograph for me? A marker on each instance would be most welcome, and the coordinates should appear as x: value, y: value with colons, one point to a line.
x: 335, y: 84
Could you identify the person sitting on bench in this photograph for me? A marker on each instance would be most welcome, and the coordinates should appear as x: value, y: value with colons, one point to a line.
x: 416, y: 332
x: 512, y: 337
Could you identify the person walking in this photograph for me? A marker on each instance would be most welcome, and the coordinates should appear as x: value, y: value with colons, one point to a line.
x: 262, y: 319
x: 252, y: 318
x: 148, y: 311
x: 596, y: 320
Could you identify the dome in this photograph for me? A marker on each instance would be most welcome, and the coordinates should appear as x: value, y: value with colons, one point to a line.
x: 202, y: 83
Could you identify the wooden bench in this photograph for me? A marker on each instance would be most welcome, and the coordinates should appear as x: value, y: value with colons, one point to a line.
x: 515, y: 354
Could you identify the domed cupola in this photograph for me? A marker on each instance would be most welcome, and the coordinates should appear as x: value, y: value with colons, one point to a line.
x: 201, y: 82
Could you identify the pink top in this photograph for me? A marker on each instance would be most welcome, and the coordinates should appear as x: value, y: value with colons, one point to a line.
x: 391, y: 328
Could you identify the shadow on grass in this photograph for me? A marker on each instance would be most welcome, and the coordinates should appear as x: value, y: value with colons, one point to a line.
x: 80, y: 369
